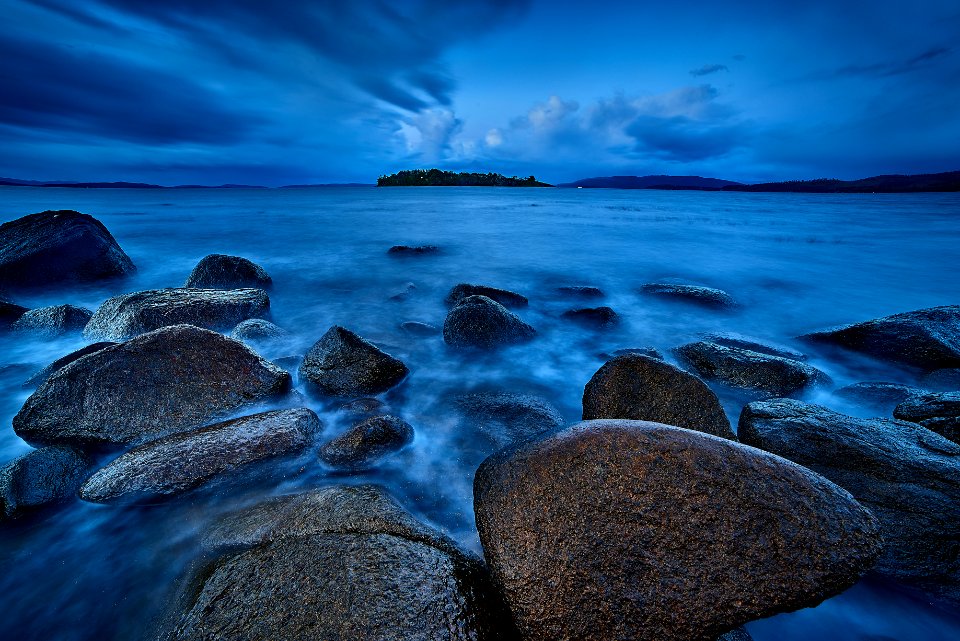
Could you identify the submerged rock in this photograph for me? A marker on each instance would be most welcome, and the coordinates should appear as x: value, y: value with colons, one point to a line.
x: 652, y: 352
x: 908, y: 476
x: 581, y: 291
x: 218, y: 271
x: 343, y: 364
x: 171, y: 380
x: 129, y: 315
x: 367, y: 442
x: 50, y: 322
x: 418, y: 250
x: 363, y: 407
x: 505, y: 417
x: 180, y: 462
x: 41, y: 376
x: 706, y: 296
x: 597, y: 317
x: 416, y: 328
x: 41, y: 477
x: 879, y: 396
x: 403, y: 292
x: 754, y: 345
x: 749, y: 370
x: 638, y: 387
x: 478, y: 321
x: 258, y: 330
x: 621, y: 529
x: 927, y: 338
x: 54, y: 247
x: 939, y: 412
x: 503, y: 296
x: 9, y: 313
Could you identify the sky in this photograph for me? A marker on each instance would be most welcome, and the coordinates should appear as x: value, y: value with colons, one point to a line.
x: 294, y: 92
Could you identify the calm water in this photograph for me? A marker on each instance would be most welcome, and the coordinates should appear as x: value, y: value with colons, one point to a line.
x: 796, y: 262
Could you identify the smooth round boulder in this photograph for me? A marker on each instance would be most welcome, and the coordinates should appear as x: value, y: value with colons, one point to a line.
x: 258, y: 330
x: 593, y: 317
x: 55, y: 247
x: 41, y: 477
x: 40, y: 377
x: 50, y: 322
x: 367, y: 442
x: 219, y: 271
x: 638, y: 387
x: 704, y: 296
x: 503, y: 296
x: 615, y: 529
x: 171, y: 380
x: 344, y: 364
x: 481, y: 322
x: 938, y: 412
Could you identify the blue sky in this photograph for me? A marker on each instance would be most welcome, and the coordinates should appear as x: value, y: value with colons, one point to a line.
x: 248, y: 91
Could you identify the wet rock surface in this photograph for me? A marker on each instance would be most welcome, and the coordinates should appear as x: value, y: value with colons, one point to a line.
x: 595, y: 317
x: 481, y: 322
x: 503, y: 296
x: 505, y: 417
x: 40, y: 377
x: 749, y: 370
x: 219, y: 271
x: 705, y: 296
x: 755, y: 345
x: 41, y: 477
x: 628, y: 529
x: 50, y: 322
x: 416, y: 328
x: 638, y: 387
x: 908, y: 476
x: 171, y: 380
x: 367, y: 442
x: 880, y: 396
x: 129, y: 315
x: 342, y: 363
x: 939, y: 412
x: 258, y: 330
x: 175, y: 464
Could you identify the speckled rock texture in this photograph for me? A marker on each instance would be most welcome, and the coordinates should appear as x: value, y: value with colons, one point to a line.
x: 880, y: 396
x: 642, y: 388
x: 926, y: 338
x: 180, y: 462
x: 55, y: 247
x: 503, y: 296
x: 939, y: 412
x: 41, y: 376
x: 482, y: 323
x: 705, y: 296
x: 745, y: 369
x: 50, y: 322
x: 258, y: 330
x: 505, y: 417
x: 595, y: 317
x: 364, y: 444
x: 219, y: 271
x: 617, y: 529
x: 41, y: 477
x: 129, y: 315
x: 343, y: 364
x: 908, y: 476
x: 730, y: 339
x: 171, y: 380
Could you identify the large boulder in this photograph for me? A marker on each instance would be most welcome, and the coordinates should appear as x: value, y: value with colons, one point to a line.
x: 481, y: 322
x: 50, y: 322
x: 40, y: 377
x: 171, y: 380
x: 927, y: 338
x: 180, y: 462
x: 908, y: 476
x: 503, y: 296
x: 879, y: 396
x: 705, y: 296
x: 503, y: 418
x: 129, y: 315
x: 58, y: 246
x: 637, y: 387
x: 939, y: 412
x: 367, y: 442
x: 343, y: 364
x: 9, y: 313
x: 41, y: 477
x: 745, y: 369
x: 617, y: 529
x: 219, y: 271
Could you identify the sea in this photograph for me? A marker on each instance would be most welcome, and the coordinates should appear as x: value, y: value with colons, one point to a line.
x: 795, y: 263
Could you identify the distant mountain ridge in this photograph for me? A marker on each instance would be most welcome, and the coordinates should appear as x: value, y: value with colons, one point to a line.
x: 650, y: 182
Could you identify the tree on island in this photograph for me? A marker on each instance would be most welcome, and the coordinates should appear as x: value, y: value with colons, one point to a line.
x: 439, y: 178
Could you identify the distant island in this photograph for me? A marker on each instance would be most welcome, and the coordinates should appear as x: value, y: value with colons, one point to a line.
x: 650, y: 182
x: 438, y: 178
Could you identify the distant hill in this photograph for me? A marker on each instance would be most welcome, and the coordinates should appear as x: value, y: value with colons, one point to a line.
x: 651, y: 182
x: 892, y: 184
x: 438, y: 178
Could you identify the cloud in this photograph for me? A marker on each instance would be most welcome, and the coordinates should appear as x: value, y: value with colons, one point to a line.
x: 427, y: 136
x: 706, y: 70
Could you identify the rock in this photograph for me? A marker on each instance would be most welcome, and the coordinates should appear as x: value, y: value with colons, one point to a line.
x: 942, y: 380
x: 129, y: 315
x: 927, y: 338
x: 642, y: 388
x: 503, y: 296
x: 505, y: 417
x: 9, y: 313
x: 478, y: 321
x: 619, y: 529
x: 878, y: 396
x: 258, y: 330
x: 908, y: 476
x: 739, y: 634
x: 50, y: 322
x: 180, y: 462
x: 581, y: 291
x: 343, y: 364
x: 745, y: 342
x: 40, y: 477
x: 40, y: 377
x: 366, y: 442
x: 363, y: 408
x: 218, y: 271
x: 55, y: 247
x: 416, y: 328
x: 170, y: 380
x: 706, y: 296
x: 939, y: 412
x: 749, y: 370
x: 403, y: 293
x: 419, y: 250
x: 596, y: 317
x: 652, y: 352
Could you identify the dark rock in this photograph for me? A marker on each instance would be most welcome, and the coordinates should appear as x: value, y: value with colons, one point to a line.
x: 505, y: 417
x: 706, y: 296
x: 363, y: 407
x: 9, y: 313
x: 367, y: 442
x: 739, y: 634
x: 218, y: 271
x: 126, y: 316
x: 942, y: 380
x: 597, y: 317
x: 745, y: 369
x: 40, y: 477
x: 40, y: 377
x: 171, y: 380
x: 180, y: 462
x: 478, y: 321
x: 258, y: 330
x: 419, y: 250
x: 50, y: 322
x: 647, y: 389
x: 908, y: 476
x: 633, y: 530
x: 882, y: 397
x: 416, y: 328
x: 939, y: 412
x: 54, y: 247
x: 652, y: 352
x: 581, y: 291
x: 927, y: 338
x: 403, y: 293
x: 343, y: 364
x: 754, y: 345
x: 503, y: 296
